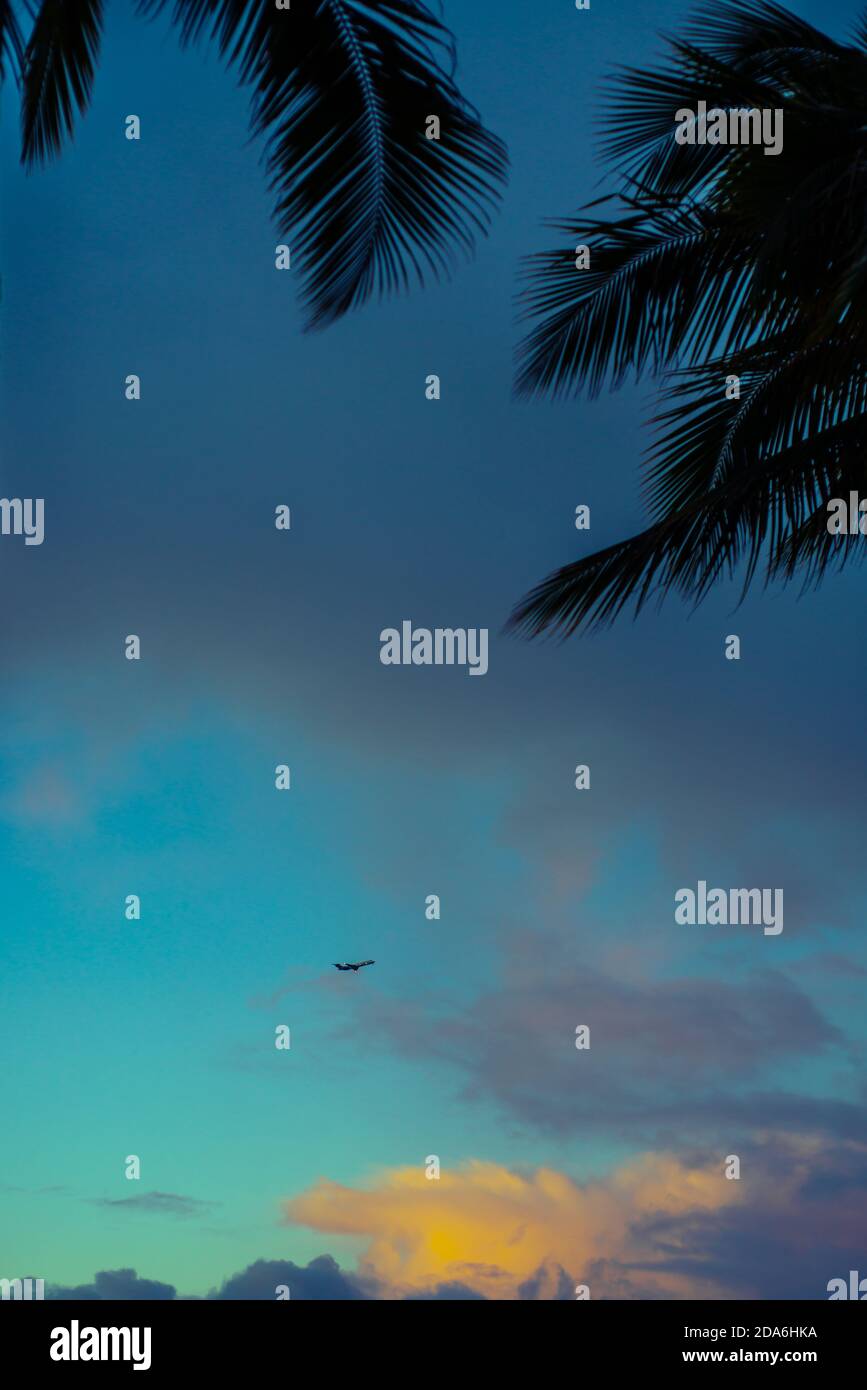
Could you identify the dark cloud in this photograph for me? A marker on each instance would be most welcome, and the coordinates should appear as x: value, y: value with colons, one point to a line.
x: 454, y: 1292
x: 756, y: 1254
x: 802, y: 1221
x: 161, y: 1203
x: 550, y: 1283
x: 108, y: 1284
x: 669, y: 1058
x: 615, y: 1280
x: 321, y: 1279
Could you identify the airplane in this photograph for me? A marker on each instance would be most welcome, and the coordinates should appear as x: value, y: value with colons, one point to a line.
x: 353, y: 965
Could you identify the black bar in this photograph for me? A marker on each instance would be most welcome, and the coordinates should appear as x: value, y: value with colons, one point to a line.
x: 211, y: 1335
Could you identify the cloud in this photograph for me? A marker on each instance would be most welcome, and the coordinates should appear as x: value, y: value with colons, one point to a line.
x: 162, y: 1203
x: 44, y: 800
x: 684, y: 1057
x: 756, y: 1247
x: 510, y: 1235
x: 321, y: 1279
x: 123, y: 1284
x: 657, y: 1227
x: 454, y: 1291
x: 550, y: 1282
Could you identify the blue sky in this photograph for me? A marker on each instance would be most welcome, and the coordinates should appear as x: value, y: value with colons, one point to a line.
x: 260, y: 647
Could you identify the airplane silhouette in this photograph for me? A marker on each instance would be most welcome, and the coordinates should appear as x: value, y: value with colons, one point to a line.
x: 353, y: 965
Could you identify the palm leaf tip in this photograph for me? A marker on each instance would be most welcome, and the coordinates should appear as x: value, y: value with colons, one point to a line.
x: 11, y: 42
x: 58, y: 70
x: 589, y: 593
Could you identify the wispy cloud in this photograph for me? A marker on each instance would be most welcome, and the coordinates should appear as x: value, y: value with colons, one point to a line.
x: 158, y: 1203
x: 686, y: 1056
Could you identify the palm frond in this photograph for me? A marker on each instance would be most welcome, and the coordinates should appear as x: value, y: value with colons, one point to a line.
x: 342, y: 91
x: 639, y: 110
x: 59, y: 64
x: 762, y: 32
x: 11, y: 41
x: 731, y: 483
x: 661, y: 283
x: 810, y: 553
x: 802, y: 210
x: 721, y: 261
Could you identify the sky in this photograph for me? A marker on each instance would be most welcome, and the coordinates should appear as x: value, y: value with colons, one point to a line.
x: 558, y: 1166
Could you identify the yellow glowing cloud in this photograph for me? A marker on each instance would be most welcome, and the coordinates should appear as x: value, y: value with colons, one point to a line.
x: 491, y: 1228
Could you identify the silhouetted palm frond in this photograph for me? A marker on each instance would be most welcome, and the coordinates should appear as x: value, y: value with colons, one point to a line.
x: 59, y: 64
x: 721, y: 262
x: 11, y: 41
x: 342, y: 92
x: 736, y: 495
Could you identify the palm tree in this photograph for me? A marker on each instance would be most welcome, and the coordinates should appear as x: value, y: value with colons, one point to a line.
x: 719, y: 262
x: 341, y: 92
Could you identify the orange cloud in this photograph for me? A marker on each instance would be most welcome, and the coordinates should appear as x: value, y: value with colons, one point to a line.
x: 491, y: 1228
